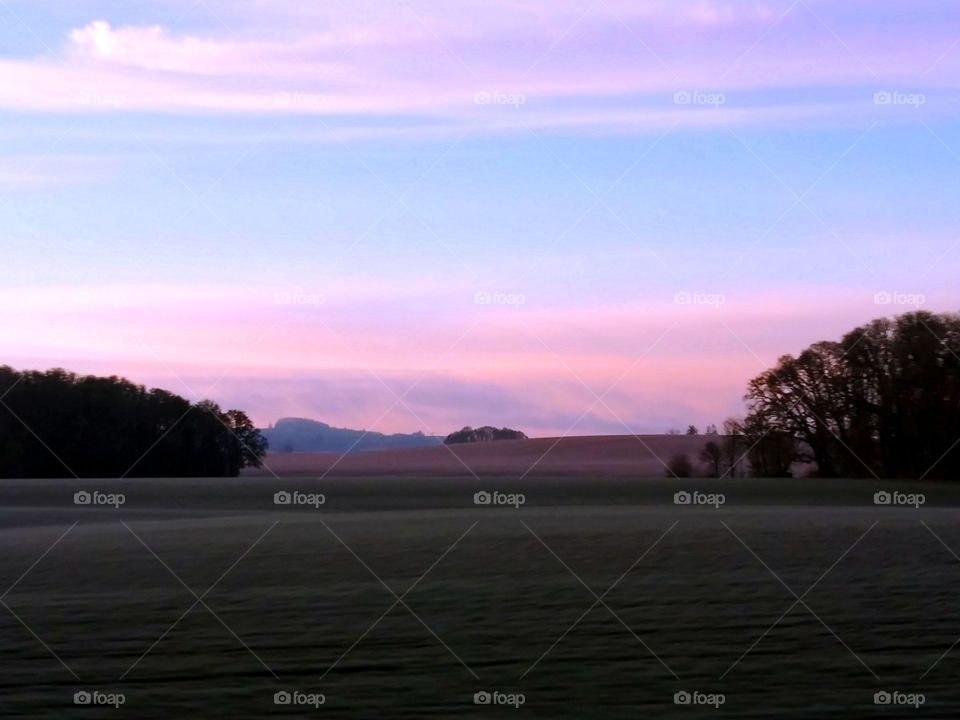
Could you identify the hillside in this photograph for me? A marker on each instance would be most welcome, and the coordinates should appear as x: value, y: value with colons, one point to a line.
x: 611, y: 455
x: 299, y: 435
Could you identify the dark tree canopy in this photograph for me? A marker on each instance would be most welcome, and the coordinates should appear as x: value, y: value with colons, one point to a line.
x: 486, y: 433
x: 679, y: 466
x: 57, y: 424
x: 884, y: 401
x: 712, y: 456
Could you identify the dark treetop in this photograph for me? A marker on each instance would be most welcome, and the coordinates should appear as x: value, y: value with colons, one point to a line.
x: 58, y: 424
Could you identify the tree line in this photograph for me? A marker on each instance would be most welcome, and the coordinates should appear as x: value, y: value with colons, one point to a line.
x: 486, y: 433
x: 56, y: 424
x: 884, y: 401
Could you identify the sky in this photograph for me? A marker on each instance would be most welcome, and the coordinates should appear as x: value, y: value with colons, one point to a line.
x: 564, y: 217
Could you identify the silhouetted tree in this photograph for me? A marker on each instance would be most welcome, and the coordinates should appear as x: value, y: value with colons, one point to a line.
x: 692, y: 430
x: 55, y: 424
x: 770, y: 452
x: 712, y: 455
x: 252, y: 445
x: 679, y: 466
x: 883, y: 401
x: 733, y: 445
x: 486, y: 433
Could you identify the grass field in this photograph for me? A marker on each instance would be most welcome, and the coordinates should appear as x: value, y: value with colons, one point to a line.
x: 606, y: 456
x: 404, y: 598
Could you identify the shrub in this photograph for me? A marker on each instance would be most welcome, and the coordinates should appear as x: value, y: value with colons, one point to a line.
x: 679, y: 466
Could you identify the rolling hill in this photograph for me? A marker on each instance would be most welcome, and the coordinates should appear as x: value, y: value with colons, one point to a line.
x: 611, y: 455
x: 299, y: 435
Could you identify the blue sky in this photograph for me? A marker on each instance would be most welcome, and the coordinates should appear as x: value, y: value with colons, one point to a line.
x: 295, y: 210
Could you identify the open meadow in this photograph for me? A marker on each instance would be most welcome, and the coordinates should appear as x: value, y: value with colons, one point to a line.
x: 601, y: 597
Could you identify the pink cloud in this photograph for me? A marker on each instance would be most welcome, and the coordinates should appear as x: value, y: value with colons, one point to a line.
x: 671, y: 363
x: 615, y: 67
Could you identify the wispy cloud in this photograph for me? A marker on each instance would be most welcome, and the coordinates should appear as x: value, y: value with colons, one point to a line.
x: 615, y: 64
x: 224, y: 240
x: 687, y: 361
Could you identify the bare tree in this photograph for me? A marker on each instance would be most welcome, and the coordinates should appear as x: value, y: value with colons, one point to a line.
x: 733, y: 446
x: 712, y: 455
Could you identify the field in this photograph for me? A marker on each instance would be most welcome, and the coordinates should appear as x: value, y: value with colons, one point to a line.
x: 608, y: 456
x: 402, y: 598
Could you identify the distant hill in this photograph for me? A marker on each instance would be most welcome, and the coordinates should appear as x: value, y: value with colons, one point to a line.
x: 302, y: 435
x: 486, y: 433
